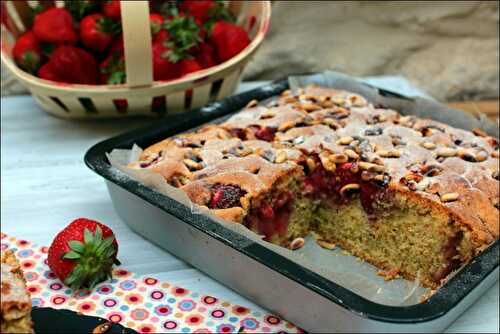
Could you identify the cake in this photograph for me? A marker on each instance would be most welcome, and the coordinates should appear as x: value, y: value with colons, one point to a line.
x: 15, y: 301
x: 414, y: 197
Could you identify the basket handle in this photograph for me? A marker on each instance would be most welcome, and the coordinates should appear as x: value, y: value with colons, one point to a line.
x: 138, y: 52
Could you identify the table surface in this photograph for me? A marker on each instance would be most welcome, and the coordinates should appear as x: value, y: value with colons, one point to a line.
x: 45, y: 185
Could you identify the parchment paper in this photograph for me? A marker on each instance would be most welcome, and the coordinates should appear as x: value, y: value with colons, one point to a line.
x: 336, y: 265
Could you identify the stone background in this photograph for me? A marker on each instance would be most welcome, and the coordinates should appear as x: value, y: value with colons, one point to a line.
x: 449, y: 49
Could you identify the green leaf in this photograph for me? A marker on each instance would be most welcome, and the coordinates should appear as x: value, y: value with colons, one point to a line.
x: 77, y: 246
x: 88, y: 238
x: 80, y: 8
x: 71, y: 255
x: 110, y: 26
x: 106, y: 243
x: 98, y: 234
x: 184, y: 35
x: 47, y: 48
x: 117, y: 78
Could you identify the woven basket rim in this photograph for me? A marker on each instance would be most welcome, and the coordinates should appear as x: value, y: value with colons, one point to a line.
x: 32, y: 80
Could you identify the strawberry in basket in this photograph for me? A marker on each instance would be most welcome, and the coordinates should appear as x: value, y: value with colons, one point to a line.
x: 27, y: 52
x: 66, y: 44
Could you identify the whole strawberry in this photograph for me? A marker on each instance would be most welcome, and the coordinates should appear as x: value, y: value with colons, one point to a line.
x: 228, y: 39
x: 55, y: 25
x: 83, y: 254
x: 111, y: 9
x: 27, y: 52
x: 188, y: 66
x: 112, y: 69
x: 199, y: 9
x: 156, y: 22
x: 97, y: 32
x: 205, y: 55
x: 73, y: 65
x: 163, y: 67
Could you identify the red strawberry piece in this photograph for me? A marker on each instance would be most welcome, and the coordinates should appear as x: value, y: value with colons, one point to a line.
x: 27, y: 52
x: 97, y: 31
x: 267, y: 211
x: 74, y: 65
x: 47, y: 72
x: 265, y: 133
x: 205, y: 56
x: 156, y: 22
x: 117, y: 45
x: 188, y: 66
x: 121, y: 105
x: 199, y: 9
x: 163, y: 68
x: 225, y: 196
x: 228, y: 39
x: 83, y: 253
x: 112, y: 69
x: 111, y: 9
x: 55, y: 25
x: 161, y: 36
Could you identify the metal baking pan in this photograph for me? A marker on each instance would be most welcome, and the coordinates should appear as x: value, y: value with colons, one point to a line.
x: 270, y: 279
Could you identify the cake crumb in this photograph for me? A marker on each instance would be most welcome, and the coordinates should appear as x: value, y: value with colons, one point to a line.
x: 389, y: 275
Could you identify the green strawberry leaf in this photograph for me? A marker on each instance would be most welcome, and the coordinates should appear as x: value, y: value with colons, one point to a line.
x: 88, y: 238
x: 184, y: 35
x: 77, y: 246
x: 47, y: 48
x: 218, y: 13
x: 72, y: 255
x: 80, y: 8
x: 117, y: 78
x: 107, y: 25
x: 98, y: 235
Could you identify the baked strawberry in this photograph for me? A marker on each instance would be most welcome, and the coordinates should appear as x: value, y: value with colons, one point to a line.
x: 199, y: 9
x: 55, y: 25
x: 112, y: 69
x: 163, y: 68
x: 27, y: 53
x: 228, y: 39
x: 83, y: 253
x: 47, y: 72
x: 156, y: 22
x: 97, y: 31
x: 74, y: 65
x: 205, y: 55
x: 111, y: 9
x: 188, y: 66
x: 225, y: 196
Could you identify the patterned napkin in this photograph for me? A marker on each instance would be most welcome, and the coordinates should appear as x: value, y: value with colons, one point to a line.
x: 142, y: 303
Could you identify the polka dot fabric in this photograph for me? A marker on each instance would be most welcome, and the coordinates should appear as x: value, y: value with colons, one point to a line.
x: 142, y: 303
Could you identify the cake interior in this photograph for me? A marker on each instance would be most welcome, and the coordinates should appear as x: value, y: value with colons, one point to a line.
x: 390, y: 230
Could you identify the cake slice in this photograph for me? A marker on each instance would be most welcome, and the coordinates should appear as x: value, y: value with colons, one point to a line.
x: 414, y: 197
x: 15, y: 302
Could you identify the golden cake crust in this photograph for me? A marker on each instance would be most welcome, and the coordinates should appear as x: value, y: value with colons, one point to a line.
x: 451, y: 170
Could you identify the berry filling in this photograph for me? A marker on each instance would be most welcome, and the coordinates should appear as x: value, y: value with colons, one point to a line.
x: 328, y: 186
x: 151, y: 162
x: 265, y: 133
x: 271, y: 218
x: 225, y: 196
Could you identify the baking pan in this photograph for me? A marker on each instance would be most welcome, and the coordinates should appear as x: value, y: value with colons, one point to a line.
x: 269, y: 278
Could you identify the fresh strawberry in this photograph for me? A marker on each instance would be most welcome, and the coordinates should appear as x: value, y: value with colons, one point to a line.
x: 156, y: 22
x: 163, y: 68
x: 205, y: 55
x: 55, y: 25
x: 228, y: 39
x: 183, y: 37
x: 112, y: 69
x: 188, y: 66
x: 47, y: 72
x: 27, y: 52
x: 199, y: 9
x: 111, y: 9
x: 97, y: 31
x: 82, y: 254
x: 161, y: 36
x: 74, y: 65
x: 117, y: 45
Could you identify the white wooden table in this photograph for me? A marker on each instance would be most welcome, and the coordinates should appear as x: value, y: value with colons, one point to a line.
x: 45, y: 185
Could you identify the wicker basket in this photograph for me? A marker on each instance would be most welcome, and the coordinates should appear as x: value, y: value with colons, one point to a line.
x: 99, y: 101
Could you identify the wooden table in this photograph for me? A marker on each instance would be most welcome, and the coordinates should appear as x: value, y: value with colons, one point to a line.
x: 45, y: 185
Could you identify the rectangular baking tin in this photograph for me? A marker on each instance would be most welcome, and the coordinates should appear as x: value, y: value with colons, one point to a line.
x: 269, y: 279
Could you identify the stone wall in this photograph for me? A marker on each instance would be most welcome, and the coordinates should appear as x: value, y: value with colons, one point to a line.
x: 450, y: 49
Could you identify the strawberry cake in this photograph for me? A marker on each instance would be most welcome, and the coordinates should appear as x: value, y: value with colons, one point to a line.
x: 414, y: 197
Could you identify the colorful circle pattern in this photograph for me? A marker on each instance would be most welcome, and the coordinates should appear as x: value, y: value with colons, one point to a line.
x: 140, y: 302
